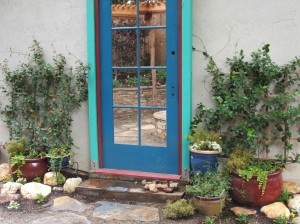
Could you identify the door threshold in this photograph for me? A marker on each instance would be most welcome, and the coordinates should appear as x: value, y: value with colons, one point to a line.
x: 104, y: 173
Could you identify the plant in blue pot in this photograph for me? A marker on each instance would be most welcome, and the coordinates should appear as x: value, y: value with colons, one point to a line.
x: 205, y: 148
x: 58, y: 158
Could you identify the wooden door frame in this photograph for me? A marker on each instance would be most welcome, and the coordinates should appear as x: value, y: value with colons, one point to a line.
x: 184, y: 115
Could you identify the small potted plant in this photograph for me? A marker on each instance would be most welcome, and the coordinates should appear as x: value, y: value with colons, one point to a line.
x: 205, y: 148
x: 26, y: 162
x: 209, y: 192
x: 58, y: 158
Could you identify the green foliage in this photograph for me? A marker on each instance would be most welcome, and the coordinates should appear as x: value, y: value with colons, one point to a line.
x: 242, y: 218
x: 161, y: 76
x: 256, y: 103
x: 282, y: 220
x: 284, y: 196
x: 60, y: 179
x: 211, y: 184
x: 209, y: 220
x: 42, y: 97
x: 13, y: 205
x: 117, y: 84
x: 16, y: 147
x: 37, y: 179
x: 59, y: 152
x: 144, y: 81
x: 40, y: 198
x: 239, y: 159
x: 179, y: 209
x: 21, y: 180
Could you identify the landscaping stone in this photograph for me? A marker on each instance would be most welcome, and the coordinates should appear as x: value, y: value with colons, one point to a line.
x: 50, y: 178
x: 168, y: 190
x: 296, y: 220
x: 9, y: 197
x: 153, y: 188
x: 58, y: 189
x: 162, y: 186
x: 294, y: 203
x: 10, y: 188
x: 242, y: 210
x: 71, y: 184
x: 63, y: 218
x: 32, y: 189
x: 174, y: 185
x: 275, y: 210
x: 111, y: 211
x: 5, y: 171
x: 291, y: 187
x: 66, y: 203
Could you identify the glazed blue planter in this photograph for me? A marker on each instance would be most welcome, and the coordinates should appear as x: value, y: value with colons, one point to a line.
x: 59, y: 162
x: 204, y: 161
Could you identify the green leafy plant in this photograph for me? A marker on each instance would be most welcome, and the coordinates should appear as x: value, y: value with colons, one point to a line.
x: 282, y: 220
x: 211, y: 184
x: 42, y: 97
x: 21, y: 180
x: 201, y: 139
x: 209, y: 220
x: 179, y: 209
x: 13, y: 205
x: 40, y: 198
x: 242, y: 218
x: 38, y: 180
x: 284, y: 196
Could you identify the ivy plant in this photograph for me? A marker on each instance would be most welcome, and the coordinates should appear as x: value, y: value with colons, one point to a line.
x: 42, y: 97
x: 256, y: 104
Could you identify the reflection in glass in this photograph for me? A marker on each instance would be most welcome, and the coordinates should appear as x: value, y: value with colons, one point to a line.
x: 125, y: 87
x: 153, y: 127
x: 123, y: 13
x: 152, y: 13
x: 126, y: 126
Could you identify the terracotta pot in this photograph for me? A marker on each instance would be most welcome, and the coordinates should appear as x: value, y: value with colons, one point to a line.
x: 209, y: 206
x: 32, y: 168
x: 248, y: 193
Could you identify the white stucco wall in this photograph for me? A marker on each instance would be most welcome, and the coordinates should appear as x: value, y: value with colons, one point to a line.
x: 61, y: 23
x: 220, y: 25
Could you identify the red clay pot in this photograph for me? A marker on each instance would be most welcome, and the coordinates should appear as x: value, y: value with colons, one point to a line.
x: 33, y: 168
x: 248, y: 193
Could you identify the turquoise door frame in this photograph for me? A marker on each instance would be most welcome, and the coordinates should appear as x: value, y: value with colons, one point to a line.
x: 185, y: 88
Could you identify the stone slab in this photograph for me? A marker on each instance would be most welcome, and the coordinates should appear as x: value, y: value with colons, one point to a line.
x: 9, y: 197
x: 62, y: 218
x: 117, y: 189
x: 111, y: 211
x: 66, y: 203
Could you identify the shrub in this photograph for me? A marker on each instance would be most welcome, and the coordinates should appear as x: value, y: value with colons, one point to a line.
x: 179, y: 209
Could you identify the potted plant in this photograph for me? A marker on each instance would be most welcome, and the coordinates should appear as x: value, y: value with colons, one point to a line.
x: 26, y: 162
x: 209, y: 192
x: 59, y: 157
x: 257, y: 111
x: 205, y: 149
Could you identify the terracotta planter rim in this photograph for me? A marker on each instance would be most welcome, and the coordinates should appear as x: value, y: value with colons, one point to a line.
x: 205, y: 152
x: 277, y: 172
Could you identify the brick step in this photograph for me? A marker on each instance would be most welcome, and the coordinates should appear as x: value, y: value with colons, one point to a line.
x: 111, y: 189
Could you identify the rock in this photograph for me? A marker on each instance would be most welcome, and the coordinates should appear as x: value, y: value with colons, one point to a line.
x: 275, y: 210
x: 58, y: 189
x: 71, y: 184
x: 146, y: 186
x: 9, y: 197
x: 5, y: 171
x: 51, y: 178
x: 174, y: 185
x: 32, y: 189
x: 168, y: 190
x: 10, y: 188
x: 162, y: 186
x: 62, y: 218
x: 66, y: 203
x: 294, y: 203
x: 153, y: 188
x: 291, y: 187
x: 242, y: 210
x: 296, y: 220
x: 144, y: 182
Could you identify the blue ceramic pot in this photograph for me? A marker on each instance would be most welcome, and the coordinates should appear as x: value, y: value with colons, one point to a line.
x: 59, y: 162
x: 204, y: 161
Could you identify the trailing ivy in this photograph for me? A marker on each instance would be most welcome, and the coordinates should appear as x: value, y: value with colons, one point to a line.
x: 42, y: 97
x: 256, y: 103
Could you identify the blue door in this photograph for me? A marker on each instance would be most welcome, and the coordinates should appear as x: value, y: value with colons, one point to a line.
x: 139, y: 85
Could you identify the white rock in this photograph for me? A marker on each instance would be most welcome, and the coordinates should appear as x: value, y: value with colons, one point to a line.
x: 32, y: 189
x: 153, y: 188
x: 50, y: 178
x: 275, y: 210
x: 10, y: 188
x: 294, y: 203
x: 296, y: 220
x: 5, y: 171
x: 71, y: 184
x: 174, y: 185
x: 291, y: 187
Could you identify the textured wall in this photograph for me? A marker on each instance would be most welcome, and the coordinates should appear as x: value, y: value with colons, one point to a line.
x: 222, y: 27
x: 61, y: 23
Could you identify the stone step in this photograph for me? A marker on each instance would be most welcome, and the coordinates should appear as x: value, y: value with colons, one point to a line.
x: 111, y: 189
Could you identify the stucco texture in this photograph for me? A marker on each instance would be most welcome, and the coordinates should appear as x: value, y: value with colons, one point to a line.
x: 223, y: 27
x: 58, y: 25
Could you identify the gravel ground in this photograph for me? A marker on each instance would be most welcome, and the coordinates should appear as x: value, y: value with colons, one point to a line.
x: 30, y: 211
